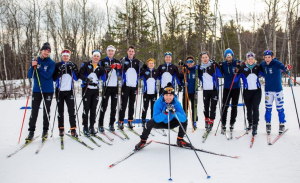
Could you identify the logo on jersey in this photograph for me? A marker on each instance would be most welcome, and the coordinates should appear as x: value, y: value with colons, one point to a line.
x: 193, y: 76
x: 271, y: 70
x: 126, y: 62
x: 246, y: 69
x: 215, y: 98
x: 163, y: 68
x: 45, y: 67
x: 233, y: 69
x: 90, y: 67
x: 48, y: 98
x: 72, y: 97
x: 147, y: 72
x: 106, y: 63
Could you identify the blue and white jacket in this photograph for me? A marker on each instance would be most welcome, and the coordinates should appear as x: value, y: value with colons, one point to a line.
x: 208, y: 75
x: 159, y: 108
x: 149, y: 77
x: 168, y: 73
x: 131, y: 70
x: 190, y: 77
x: 250, y: 77
x: 112, y: 75
x: 66, y: 77
x: 45, y: 72
x: 272, y: 74
x: 228, y: 70
x: 87, y: 70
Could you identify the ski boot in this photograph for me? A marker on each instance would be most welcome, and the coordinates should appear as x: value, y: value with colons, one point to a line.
x: 30, y: 136
x: 111, y: 128
x: 231, y: 127
x: 74, y: 133
x: 129, y: 124
x: 45, y: 134
x: 61, y: 131
x: 121, y: 125
x: 92, y: 131
x: 86, y: 131
x: 268, y: 128
x: 210, y: 124
x: 254, y: 130
x: 195, y: 125
x: 143, y: 123
x: 101, y: 129
x: 281, y: 128
x: 140, y: 145
x: 182, y: 143
x: 223, y: 130
x: 249, y: 126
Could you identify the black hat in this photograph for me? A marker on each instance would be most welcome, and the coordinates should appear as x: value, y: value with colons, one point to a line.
x: 169, y: 89
x: 46, y: 46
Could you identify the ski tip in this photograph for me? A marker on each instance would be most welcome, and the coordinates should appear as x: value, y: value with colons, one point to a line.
x: 110, y: 166
x: 215, y: 134
x: 269, y: 144
x: 170, y: 179
x: 208, y: 177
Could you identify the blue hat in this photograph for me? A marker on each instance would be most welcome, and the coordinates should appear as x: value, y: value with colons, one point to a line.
x: 228, y: 51
x: 168, y: 53
x: 268, y: 52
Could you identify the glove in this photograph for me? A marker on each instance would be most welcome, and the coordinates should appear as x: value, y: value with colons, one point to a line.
x: 89, y: 80
x: 118, y: 66
x: 62, y: 68
x: 186, y: 84
x: 34, y: 62
x: 72, y: 66
x: 107, y: 67
x: 170, y: 108
x: 220, y: 63
x: 144, y: 67
x: 288, y: 67
x: 113, y: 66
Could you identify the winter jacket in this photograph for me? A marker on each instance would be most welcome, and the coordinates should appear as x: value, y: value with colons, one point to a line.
x: 168, y: 73
x: 250, y: 77
x: 87, y: 70
x: 190, y: 78
x: 272, y: 73
x: 45, y: 71
x: 130, y: 69
x: 66, y: 77
x: 111, y: 77
x: 149, y: 77
x: 160, y: 107
x: 228, y: 70
x: 208, y: 76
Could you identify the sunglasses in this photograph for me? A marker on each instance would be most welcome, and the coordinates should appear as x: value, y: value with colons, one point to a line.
x: 203, y: 53
x: 190, y: 61
x: 229, y: 55
x: 169, y: 89
x: 66, y: 51
x: 250, y: 55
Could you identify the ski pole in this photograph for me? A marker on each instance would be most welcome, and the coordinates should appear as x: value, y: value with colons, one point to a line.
x: 294, y: 99
x: 192, y: 147
x: 75, y: 103
x: 170, y: 179
x: 57, y: 100
x: 82, y: 98
x: 217, y: 91
x: 242, y: 93
x: 137, y: 91
x: 48, y: 116
x: 292, y: 79
x: 25, y: 110
x: 226, y: 101
x: 141, y: 108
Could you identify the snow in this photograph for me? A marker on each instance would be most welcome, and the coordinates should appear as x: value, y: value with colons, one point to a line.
x: 76, y: 163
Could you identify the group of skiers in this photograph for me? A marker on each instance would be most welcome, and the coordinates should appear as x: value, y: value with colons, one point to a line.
x: 120, y: 84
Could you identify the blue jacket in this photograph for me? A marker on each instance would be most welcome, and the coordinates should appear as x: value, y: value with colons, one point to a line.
x: 190, y: 78
x: 45, y: 72
x: 272, y: 74
x: 160, y: 107
x: 229, y: 72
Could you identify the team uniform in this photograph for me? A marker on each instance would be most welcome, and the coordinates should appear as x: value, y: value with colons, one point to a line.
x: 90, y: 74
x: 167, y: 73
x: 149, y: 91
x: 63, y: 76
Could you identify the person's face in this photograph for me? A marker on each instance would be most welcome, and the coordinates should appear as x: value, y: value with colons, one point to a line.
x: 45, y: 53
x: 205, y: 58
x: 250, y: 60
x: 168, y: 98
x: 110, y: 53
x: 168, y: 59
x: 190, y: 64
x: 150, y: 65
x: 65, y: 58
x: 268, y: 59
x: 229, y: 57
x: 130, y: 52
x: 96, y: 59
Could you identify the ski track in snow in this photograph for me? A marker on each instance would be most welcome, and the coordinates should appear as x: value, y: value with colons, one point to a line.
x: 76, y: 163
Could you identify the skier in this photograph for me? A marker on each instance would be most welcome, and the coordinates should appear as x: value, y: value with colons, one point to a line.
x: 228, y: 68
x: 65, y: 72
x: 42, y: 68
x: 111, y: 66
x: 130, y: 71
x: 149, y: 76
x: 164, y: 112
x: 271, y: 68
x: 208, y: 72
x: 90, y: 72
x: 189, y: 72
x: 252, y: 90
x: 168, y: 72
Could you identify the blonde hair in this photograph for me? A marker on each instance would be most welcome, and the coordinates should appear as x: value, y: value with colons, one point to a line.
x: 255, y: 61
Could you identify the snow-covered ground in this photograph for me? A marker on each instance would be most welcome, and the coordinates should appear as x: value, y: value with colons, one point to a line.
x: 263, y: 163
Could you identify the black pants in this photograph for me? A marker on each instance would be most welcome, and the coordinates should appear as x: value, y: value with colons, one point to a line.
x: 191, y: 98
x: 111, y: 92
x: 161, y: 90
x: 127, y: 93
x: 148, y: 98
x: 252, y: 100
x: 152, y: 124
x: 210, y: 100
x: 90, y: 102
x: 35, y: 104
x: 61, y: 97
x: 234, y: 97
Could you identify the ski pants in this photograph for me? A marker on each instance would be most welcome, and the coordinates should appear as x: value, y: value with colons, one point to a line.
x: 191, y: 97
x: 252, y: 100
x: 35, y: 104
x: 111, y: 92
x: 61, y: 98
x: 210, y: 100
x: 148, y: 98
x: 234, y: 97
x: 152, y: 124
x: 90, y: 101
x: 279, y: 100
x: 128, y: 93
